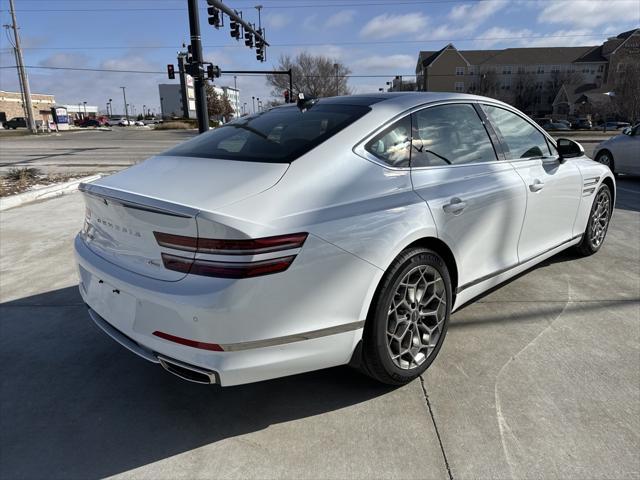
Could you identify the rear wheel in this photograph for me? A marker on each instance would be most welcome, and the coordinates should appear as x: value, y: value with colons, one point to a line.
x: 598, y: 223
x: 408, y: 319
x: 606, y: 158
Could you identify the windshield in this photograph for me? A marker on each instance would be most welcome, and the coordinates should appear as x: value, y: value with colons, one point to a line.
x: 280, y: 135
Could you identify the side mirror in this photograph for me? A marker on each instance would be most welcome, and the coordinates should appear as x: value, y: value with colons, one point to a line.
x: 569, y: 149
x: 626, y: 131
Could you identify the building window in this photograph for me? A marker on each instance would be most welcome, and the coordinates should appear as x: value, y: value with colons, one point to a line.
x: 459, y: 70
x: 506, y: 69
x: 459, y: 86
x: 540, y: 69
x: 621, y: 67
x: 600, y: 68
x: 521, y: 69
x: 555, y: 68
x: 539, y: 85
x: 471, y: 70
x: 506, y: 84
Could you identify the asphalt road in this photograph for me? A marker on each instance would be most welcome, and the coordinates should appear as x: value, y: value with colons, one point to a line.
x: 97, y: 151
x: 538, y: 379
x: 87, y: 151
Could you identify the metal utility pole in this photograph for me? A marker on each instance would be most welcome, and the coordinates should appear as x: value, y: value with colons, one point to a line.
x: 24, y: 80
x: 197, y: 73
x: 126, y: 110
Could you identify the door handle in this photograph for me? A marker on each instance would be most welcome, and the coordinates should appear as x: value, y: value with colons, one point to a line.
x: 455, y: 206
x: 536, y: 186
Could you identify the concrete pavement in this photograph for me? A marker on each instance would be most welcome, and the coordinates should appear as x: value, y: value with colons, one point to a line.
x: 538, y: 379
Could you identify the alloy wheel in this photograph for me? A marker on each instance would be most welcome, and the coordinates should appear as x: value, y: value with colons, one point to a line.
x: 604, y: 159
x: 416, y: 315
x: 600, y: 218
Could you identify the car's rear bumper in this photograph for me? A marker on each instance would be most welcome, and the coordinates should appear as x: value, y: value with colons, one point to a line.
x: 240, y: 316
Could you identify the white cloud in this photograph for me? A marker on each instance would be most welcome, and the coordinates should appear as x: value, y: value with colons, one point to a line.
x: 503, y: 37
x: 338, y: 19
x: 389, y: 25
x: 589, y: 14
x: 277, y: 20
x: 389, y: 62
x: 65, y: 60
x: 475, y: 13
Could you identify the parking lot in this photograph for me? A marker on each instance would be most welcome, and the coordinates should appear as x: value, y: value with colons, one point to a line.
x: 538, y: 379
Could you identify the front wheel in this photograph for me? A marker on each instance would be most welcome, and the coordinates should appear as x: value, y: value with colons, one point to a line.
x: 605, y: 158
x: 408, y: 319
x: 598, y: 223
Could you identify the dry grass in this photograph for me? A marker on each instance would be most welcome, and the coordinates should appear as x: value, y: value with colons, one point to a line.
x: 18, y: 180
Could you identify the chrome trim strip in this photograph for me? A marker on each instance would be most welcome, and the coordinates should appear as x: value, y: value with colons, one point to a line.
x: 270, y: 342
x: 167, y: 362
x: 504, y: 270
x: 121, y: 338
x: 138, y: 202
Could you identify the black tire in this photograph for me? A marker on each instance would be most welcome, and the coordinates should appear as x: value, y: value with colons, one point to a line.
x: 377, y: 360
x: 588, y: 245
x: 605, y: 157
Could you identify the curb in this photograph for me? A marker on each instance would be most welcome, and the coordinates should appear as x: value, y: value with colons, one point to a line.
x: 56, y: 190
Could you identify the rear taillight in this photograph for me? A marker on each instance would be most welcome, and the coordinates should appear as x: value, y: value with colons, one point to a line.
x: 223, y: 269
x: 254, y: 246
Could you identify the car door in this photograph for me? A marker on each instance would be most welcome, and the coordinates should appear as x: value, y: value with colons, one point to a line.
x: 476, y: 200
x: 553, y: 187
x: 626, y: 154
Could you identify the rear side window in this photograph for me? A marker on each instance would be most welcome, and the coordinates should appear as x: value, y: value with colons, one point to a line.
x: 450, y: 135
x: 393, y: 144
x: 521, y: 139
x: 280, y: 135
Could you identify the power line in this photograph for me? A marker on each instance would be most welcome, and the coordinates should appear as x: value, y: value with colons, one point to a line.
x: 319, y: 44
x: 163, y: 72
x: 293, y: 6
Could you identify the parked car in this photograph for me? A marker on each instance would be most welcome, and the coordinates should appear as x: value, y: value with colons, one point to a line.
x: 622, y: 152
x: 123, y: 122
x: 616, y: 125
x: 555, y: 126
x: 582, y: 124
x: 15, y: 122
x: 348, y: 237
x: 139, y: 123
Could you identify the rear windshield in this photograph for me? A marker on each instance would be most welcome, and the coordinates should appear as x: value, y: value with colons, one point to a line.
x: 279, y: 135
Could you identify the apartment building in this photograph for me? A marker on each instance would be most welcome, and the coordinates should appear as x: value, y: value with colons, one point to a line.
x: 530, y: 78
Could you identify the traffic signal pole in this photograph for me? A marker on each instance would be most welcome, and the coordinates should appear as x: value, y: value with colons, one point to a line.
x: 198, y: 73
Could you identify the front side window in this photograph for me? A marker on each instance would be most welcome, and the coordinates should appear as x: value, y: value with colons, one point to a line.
x: 459, y: 70
x: 393, y: 144
x: 449, y: 135
x: 280, y: 135
x: 521, y: 139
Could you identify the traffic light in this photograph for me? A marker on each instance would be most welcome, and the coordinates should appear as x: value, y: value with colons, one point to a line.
x: 248, y: 39
x: 213, y: 71
x: 189, y: 54
x: 235, y: 29
x: 286, y: 96
x: 214, y: 17
x: 171, y: 72
x: 260, y: 50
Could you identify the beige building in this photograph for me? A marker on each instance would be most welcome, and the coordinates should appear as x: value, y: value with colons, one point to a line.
x: 529, y: 78
x: 11, y: 106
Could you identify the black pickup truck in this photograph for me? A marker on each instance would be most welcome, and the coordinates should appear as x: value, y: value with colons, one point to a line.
x: 15, y: 122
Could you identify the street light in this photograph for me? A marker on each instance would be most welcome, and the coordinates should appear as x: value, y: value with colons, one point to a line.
x: 126, y: 110
x: 85, y: 108
x: 144, y: 110
x: 253, y: 100
x: 110, y: 108
x: 257, y: 100
x: 79, y: 110
x: 335, y: 67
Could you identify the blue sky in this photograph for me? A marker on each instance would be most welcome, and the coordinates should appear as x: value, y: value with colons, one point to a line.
x: 372, y: 37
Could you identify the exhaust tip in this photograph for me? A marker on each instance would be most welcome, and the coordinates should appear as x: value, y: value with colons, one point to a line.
x: 188, y: 372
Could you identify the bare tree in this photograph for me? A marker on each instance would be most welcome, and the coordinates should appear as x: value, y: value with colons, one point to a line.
x: 525, y: 91
x: 488, y: 84
x: 218, y: 106
x: 314, y: 75
x: 627, y: 99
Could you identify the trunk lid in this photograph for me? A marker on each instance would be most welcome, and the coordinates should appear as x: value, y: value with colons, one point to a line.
x: 165, y: 194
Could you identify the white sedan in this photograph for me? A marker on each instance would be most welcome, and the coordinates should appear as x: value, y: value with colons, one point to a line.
x: 335, y: 231
x: 622, y: 152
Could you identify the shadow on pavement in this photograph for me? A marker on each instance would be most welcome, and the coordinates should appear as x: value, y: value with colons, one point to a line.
x: 77, y: 405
